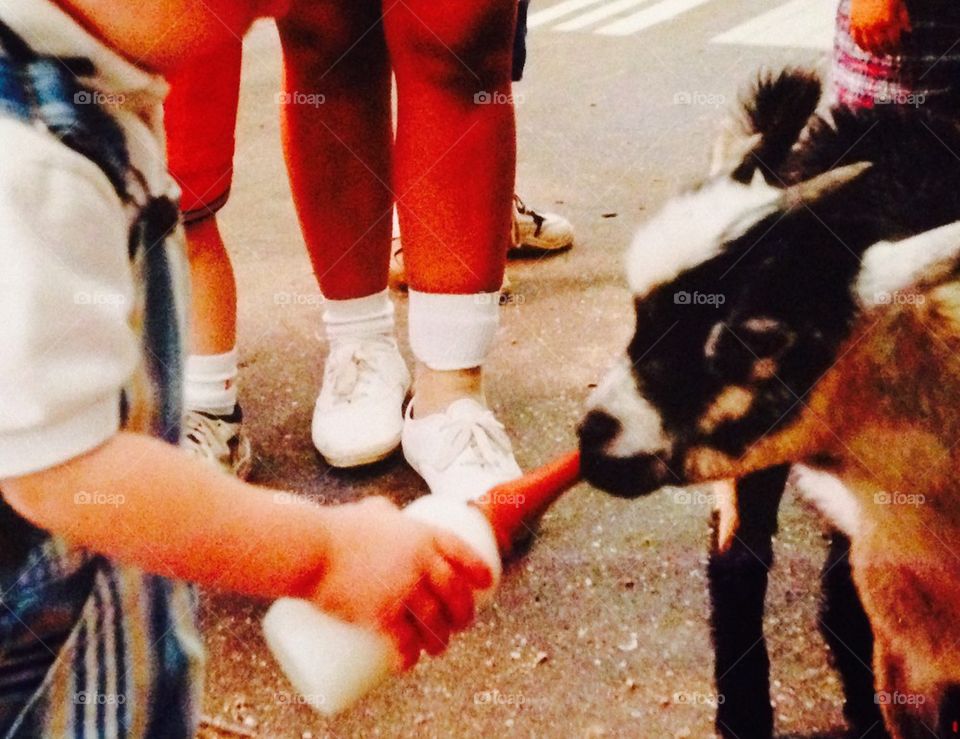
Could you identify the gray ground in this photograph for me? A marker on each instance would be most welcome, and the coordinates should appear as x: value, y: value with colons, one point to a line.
x: 601, y: 630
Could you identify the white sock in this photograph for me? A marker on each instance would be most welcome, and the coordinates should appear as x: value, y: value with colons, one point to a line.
x: 210, y: 382
x: 453, y: 332
x: 372, y: 314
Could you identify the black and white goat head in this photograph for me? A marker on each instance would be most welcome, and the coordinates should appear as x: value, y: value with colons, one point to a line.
x: 782, y: 310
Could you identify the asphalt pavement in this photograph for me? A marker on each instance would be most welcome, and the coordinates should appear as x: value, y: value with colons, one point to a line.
x: 601, y: 630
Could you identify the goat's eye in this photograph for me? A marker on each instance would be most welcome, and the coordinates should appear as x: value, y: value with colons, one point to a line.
x: 765, y: 338
x: 748, y: 349
x: 726, y: 356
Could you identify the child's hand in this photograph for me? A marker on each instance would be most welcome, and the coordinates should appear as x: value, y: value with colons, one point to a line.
x: 877, y: 26
x: 408, y: 580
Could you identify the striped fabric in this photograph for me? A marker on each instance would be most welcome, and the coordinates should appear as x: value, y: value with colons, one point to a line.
x: 926, y: 72
x: 90, y: 649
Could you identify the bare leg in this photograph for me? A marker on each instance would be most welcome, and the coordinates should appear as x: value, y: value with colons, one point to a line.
x: 213, y: 299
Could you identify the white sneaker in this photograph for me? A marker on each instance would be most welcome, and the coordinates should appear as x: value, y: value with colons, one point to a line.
x: 359, y: 414
x: 540, y: 231
x: 218, y: 440
x: 462, y: 452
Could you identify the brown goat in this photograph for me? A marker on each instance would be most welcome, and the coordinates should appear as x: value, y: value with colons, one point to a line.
x: 885, y: 420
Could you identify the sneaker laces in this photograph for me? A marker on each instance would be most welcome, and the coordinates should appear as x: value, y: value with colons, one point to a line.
x: 353, y: 367
x: 477, y: 438
x: 205, y: 429
x: 523, y: 210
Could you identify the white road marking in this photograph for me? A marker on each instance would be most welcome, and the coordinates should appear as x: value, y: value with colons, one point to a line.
x: 648, y: 17
x: 542, y: 17
x: 805, y: 24
x: 598, y: 14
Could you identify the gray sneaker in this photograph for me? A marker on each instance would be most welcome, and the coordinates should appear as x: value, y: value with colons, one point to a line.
x: 219, y: 440
x: 537, y: 231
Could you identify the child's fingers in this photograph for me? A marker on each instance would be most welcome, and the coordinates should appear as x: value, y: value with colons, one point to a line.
x: 464, y: 560
x: 885, y: 42
x: 904, y: 17
x: 893, y: 36
x: 406, y: 638
x: 859, y: 38
x: 452, y: 592
x: 429, y: 619
x: 876, y: 41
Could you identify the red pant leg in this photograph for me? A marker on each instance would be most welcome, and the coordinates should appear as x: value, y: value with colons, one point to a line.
x: 455, y: 151
x: 200, y: 119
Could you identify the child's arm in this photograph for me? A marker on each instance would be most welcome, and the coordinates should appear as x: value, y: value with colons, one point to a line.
x: 877, y: 26
x: 145, y: 503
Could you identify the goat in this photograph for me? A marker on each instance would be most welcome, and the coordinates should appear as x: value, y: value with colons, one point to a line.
x: 802, y: 305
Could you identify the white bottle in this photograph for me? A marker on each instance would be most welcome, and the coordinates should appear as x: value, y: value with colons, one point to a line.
x: 331, y: 663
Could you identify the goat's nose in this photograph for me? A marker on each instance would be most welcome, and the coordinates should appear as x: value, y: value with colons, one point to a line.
x: 596, y: 430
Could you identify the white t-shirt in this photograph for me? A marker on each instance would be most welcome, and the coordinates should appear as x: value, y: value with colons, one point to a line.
x: 67, y: 291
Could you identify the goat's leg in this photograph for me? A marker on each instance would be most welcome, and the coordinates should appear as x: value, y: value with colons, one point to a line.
x: 847, y: 631
x: 737, y: 575
x: 904, y: 718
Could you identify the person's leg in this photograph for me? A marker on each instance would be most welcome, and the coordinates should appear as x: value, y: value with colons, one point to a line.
x: 213, y: 296
x: 455, y: 157
x: 520, y: 41
x: 337, y: 136
x: 858, y: 78
x: 200, y: 117
x: 533, y: 230
x: 201, y: 114
x: 456, y: 140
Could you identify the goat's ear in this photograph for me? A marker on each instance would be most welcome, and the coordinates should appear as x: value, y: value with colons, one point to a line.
x: 732, y: 149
